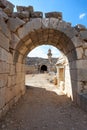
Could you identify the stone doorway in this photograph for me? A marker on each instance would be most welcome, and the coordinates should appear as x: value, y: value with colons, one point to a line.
x: 43, y: 69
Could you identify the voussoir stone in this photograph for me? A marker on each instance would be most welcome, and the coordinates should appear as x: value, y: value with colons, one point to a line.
x: 14, y: 41
x: 28, y: 27
x: 54, y: 23
x: 45, y: 22
x: 15, y: 23
x: 4, y: 28
x: 54, y: 15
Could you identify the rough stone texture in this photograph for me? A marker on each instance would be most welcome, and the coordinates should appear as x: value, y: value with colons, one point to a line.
x: 23, y: 8
x: 15, y: 23
x: 36, y: 15
x: 4, y: 41
x: 80, y: 27
x: 14, y: 41
x: 2, y: 3
x: 84, y: 34
x: 3, y: 55
x: 4, y: 28
x: 54, y: 15
x: 3, y: 15
x: 79, y: 52
x: 2, y: 97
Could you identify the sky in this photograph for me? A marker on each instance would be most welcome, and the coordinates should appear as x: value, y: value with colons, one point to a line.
x: 73, y: 11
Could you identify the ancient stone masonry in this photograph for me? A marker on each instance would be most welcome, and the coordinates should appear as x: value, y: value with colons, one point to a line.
x: 22, y: 31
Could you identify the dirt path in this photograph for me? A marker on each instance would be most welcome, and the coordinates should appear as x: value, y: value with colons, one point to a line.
x: 43, y: 109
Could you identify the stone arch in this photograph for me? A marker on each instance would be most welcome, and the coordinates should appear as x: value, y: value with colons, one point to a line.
x: 21, y: 33
x: 56, y: 32
x: 53, y: 32
x: 43, y: 68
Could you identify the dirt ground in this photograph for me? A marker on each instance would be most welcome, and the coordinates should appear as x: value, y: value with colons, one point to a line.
x: 43, y: 107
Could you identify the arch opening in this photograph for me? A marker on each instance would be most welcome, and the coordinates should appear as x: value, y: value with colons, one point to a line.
x: 59, y: 40
x: 43, y: 69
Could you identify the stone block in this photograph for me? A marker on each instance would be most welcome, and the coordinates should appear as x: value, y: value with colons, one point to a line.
x: 80, y: 27
x: 22, y: 15
x: 4, y: 28
x: 83, y: 34
x: 79, y: 52
x: 53, y: 23
x: 3, y: 55
x: 45, y: 23
x: 4, y: 68
x: 77, y: 41
x: 18, y: 67
x: 10, y: 58
x: 36, y: 23
x: 79, y: 74
x: 86, y: 52
x: 12, y: 69
x: 57, y: 15
x: 10, y: 6
x: 3, y: 80
x: 14, y: 41
x: 3, y: 3
x: 4, y: 41
x: 28, y: 42
x: 3, y: 15
x: 10, y: 93
x: 2, y: 97
x: 8, y: 11
x: 78, y: 64
x: 36, y: 15
x: 24, y: 31
x: 23, y: 8
x: 0, y: 113
x: 15, y: 23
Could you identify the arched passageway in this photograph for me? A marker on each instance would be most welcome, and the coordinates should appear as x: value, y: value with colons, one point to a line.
x: 43, y: 68
x: 19, y: 36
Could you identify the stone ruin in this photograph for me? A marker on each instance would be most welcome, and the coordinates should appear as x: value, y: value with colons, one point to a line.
x: 22, y: 31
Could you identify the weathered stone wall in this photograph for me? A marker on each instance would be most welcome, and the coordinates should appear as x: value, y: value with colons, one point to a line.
x: 22, y: 31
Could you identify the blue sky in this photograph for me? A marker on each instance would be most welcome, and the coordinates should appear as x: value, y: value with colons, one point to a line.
x: 74, y: 11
